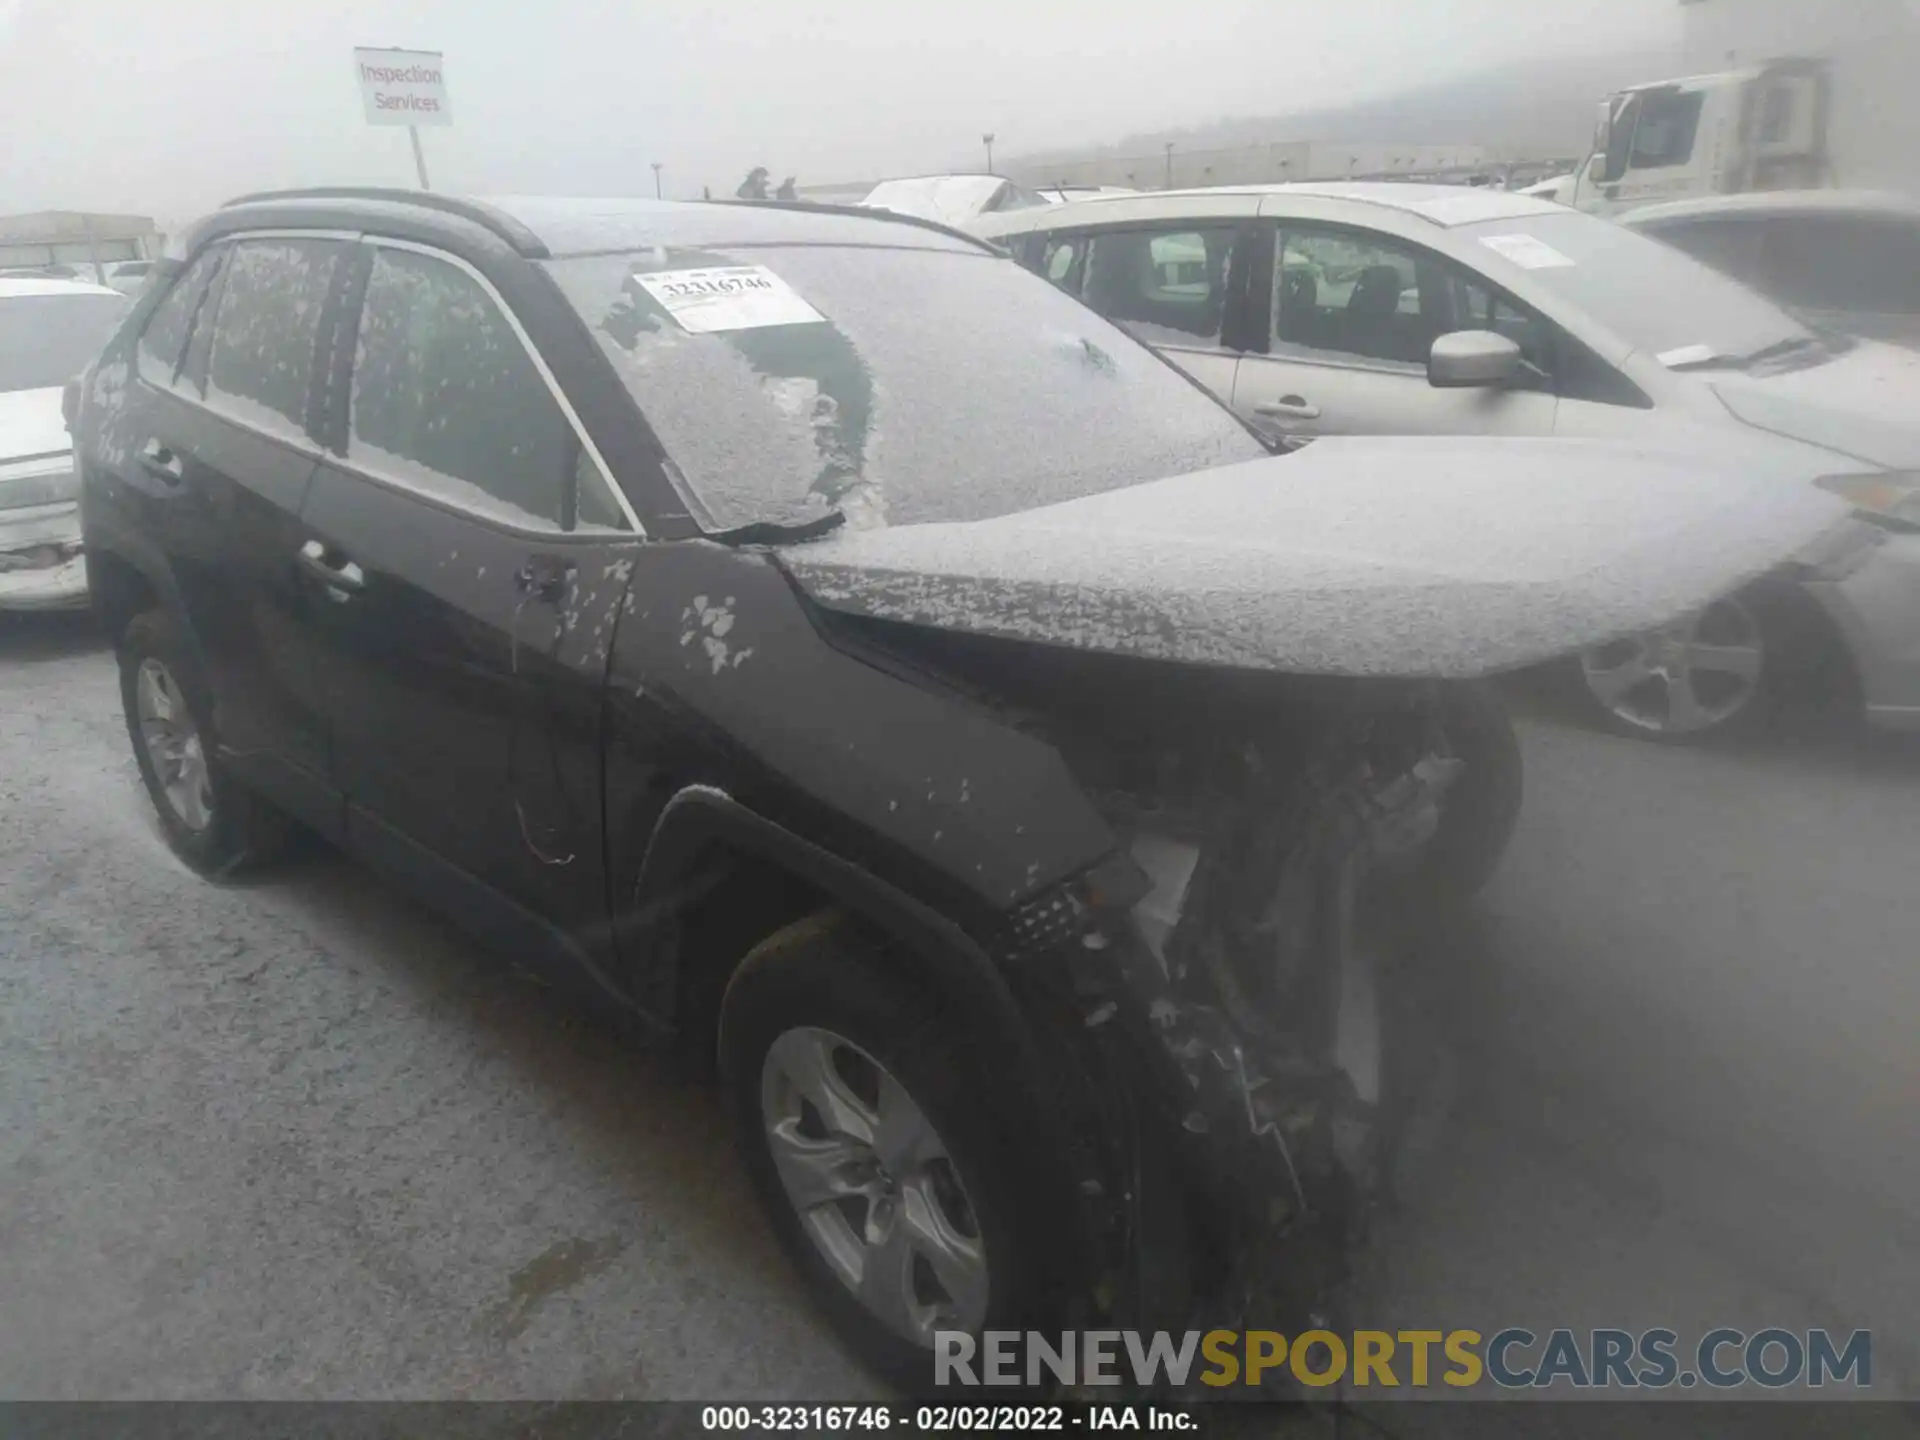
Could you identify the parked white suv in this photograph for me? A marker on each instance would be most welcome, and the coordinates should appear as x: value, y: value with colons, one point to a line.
x: 1427, y: 309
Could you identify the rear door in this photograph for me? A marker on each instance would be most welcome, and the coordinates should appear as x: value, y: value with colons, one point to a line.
x: 1170, y: 283
x: 1350, y: 320
x: 465, y: 553
x: 221, y: 454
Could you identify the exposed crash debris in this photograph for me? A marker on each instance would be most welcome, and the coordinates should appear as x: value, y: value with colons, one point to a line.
x: 1239, y: 1012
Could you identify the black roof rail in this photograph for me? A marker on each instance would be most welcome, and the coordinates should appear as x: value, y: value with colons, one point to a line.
x: 864, y: 212
x: 498, y: 221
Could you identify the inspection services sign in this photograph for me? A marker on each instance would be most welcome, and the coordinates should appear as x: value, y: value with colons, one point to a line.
x: 403, y: 87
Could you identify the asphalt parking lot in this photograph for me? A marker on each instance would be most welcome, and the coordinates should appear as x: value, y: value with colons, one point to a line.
x: 297, y: 1138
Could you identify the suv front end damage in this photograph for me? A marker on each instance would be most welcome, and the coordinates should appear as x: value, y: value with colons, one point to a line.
x: 1210, y: 997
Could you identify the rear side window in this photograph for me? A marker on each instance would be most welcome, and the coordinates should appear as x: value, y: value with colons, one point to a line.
x: 1165, y: 286
x: 1061, y: 259
x: 446, y: 400
x: 266, y: 329
x: 164, y: 341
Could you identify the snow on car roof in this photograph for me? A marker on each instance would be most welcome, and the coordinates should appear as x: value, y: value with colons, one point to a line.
x: 580, y: 227
x: 950, y: 199
x: 1441, y: 204
x: 10, y: 288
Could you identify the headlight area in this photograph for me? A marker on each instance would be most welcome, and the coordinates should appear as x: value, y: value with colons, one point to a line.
x: 1889, y: 498
x: 41, y: 565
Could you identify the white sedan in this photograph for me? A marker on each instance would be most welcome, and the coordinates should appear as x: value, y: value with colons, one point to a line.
x: 50, y: 330
x: 1427, y: 309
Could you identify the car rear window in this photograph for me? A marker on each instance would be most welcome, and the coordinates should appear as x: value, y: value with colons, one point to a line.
x: 46, y: 340
x: 908, y: 386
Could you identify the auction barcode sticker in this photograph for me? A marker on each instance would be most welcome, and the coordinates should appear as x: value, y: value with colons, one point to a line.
x: 727, y: 297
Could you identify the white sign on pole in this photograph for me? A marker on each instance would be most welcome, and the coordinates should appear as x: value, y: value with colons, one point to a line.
x: 403, y: 87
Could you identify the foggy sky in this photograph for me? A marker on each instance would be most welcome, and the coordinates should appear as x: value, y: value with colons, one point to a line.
x: 167, y: 107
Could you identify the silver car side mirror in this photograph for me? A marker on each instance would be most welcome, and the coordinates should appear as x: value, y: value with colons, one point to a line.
x: 1472, y: 359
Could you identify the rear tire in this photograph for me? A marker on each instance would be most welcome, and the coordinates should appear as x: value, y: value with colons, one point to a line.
x: 209, y: 819
x: 818, y: 988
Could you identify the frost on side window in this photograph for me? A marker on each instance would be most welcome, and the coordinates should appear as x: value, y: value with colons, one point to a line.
x: 445, y: 399
x: 269, y: 320
x: 164, y: 342
x: 943, y: 385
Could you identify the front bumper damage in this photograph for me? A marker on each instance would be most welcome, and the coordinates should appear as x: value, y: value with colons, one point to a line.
x: 42, y: 566
x: 1223, y: 1034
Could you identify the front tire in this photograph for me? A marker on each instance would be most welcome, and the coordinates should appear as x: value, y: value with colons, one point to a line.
x: 1479, y: 813
x: 209, y: 820
x: 1708, y: 675
x: 884, y: 1144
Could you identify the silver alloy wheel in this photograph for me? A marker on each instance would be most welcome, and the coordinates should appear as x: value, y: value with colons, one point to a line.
x: 1688, y: 677
x: 874, y: 1185
x: 173, y: 744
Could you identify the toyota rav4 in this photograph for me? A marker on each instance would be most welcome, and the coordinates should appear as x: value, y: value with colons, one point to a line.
x: 835, y: 647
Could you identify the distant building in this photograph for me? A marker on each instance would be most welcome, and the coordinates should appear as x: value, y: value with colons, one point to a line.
x: 1259, y: 164
x: 73, y: 238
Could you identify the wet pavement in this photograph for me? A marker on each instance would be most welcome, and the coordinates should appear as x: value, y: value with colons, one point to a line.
x: 296, y: 1137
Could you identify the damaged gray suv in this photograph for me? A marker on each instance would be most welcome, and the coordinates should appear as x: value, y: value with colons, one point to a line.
x: 834, y: 647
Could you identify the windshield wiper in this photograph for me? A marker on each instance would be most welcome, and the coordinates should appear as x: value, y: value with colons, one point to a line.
x: 1780, y: 349
x: 779, y: 532
x: 1718, y: 360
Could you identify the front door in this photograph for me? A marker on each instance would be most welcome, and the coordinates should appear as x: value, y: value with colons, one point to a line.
x: 221, y: 460
x: 1352, y: 318
x: 466, y: 558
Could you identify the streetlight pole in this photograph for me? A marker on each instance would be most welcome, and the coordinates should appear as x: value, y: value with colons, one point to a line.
x: 1169, y: 164
x: 987, y: 140
x: 656, y: 179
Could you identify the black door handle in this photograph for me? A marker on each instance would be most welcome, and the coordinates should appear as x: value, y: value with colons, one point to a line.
x: 158, y: 459
x: 339, y: 575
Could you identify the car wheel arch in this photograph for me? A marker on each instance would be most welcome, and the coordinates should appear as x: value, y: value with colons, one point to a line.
x: 700, y: 905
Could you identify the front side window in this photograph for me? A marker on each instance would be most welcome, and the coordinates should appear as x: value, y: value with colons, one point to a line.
x: 267, y: 328
x: 1347, y: 296
x: 446, y: 399
x: 1669, y: 120
x: 1164, y: 286
x: 46, y: 340
x: 164, y: 342
x: 1343, y: 295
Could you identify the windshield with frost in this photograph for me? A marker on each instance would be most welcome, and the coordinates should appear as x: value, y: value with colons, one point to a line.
x: 46, y: 340
x: 895, y: 385
x: 1651, y: 295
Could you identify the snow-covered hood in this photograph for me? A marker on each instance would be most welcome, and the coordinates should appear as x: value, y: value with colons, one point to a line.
x: 31, y: 424
x: 1454, y: 557
x: 1864, y: 404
